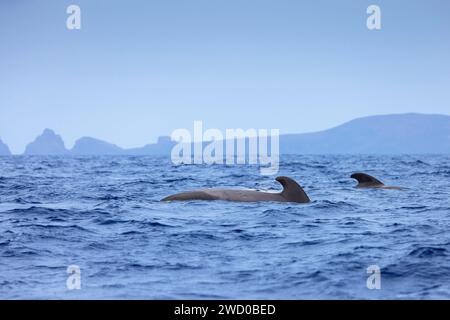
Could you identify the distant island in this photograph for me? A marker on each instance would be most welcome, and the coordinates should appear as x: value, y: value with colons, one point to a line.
x: 50, y: 143
x: 385, y: 134
x: 4, y: 149
x: 409, y: 133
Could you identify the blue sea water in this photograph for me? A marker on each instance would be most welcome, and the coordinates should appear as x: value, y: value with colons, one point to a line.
x: 104, y: 215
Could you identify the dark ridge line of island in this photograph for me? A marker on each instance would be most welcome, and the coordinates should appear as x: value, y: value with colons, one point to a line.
x: 409, y: 133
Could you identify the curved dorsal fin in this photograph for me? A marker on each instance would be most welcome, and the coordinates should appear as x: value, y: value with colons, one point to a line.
x: 292, y: 190
x: 366, y: 180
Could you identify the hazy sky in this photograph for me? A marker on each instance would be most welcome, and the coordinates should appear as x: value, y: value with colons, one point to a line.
x: 139, y: 69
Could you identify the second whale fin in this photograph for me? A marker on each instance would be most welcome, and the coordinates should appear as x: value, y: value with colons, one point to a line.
x: 365, y: 180
x: 292, y: 191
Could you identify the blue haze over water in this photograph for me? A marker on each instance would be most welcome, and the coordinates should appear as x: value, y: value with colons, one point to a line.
x: 104, y: 214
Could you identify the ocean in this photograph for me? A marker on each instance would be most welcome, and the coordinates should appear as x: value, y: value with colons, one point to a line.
x: 103, y: 215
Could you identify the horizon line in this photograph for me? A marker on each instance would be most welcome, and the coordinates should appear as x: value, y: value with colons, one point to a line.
x: 168, y: 135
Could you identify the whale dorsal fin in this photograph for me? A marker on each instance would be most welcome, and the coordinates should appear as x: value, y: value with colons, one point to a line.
x: 366, y: 180
x: 292, y: 190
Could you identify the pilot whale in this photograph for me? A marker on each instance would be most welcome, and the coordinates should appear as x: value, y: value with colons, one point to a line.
x: 367, y: 181
x: 292, y: 192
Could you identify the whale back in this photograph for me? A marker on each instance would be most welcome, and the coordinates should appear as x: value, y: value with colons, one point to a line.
x: 365, y: 180
x: 292, y: 191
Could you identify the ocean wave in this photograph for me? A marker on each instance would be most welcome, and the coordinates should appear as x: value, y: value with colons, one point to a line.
x: 428, y: 252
